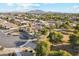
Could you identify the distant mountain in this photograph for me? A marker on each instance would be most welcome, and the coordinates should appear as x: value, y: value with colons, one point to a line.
x: 42, y: 12
x: 36, y: 11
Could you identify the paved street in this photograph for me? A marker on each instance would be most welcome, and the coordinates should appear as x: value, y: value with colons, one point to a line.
x: 10, y: 41
x: 7, y: 40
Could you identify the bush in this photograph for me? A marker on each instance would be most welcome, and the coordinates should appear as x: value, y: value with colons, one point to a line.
x: 55, y: 37
x: 59, y: 53
x: 77, y: 27
x: 43, y: 48
x: 74, y: 39
x: 44, y: 31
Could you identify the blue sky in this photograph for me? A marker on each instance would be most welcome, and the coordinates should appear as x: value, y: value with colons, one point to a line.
x: 55, y: 7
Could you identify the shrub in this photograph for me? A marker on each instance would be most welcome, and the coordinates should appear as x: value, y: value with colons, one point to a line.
x: 59, y: 53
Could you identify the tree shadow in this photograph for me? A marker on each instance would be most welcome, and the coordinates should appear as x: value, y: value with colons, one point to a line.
x: 19, y: 43
x: 68, y: 48
x: 25, y: 35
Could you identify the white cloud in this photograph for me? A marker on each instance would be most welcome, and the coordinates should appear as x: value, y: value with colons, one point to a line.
x: 39, y: 1
x: 73, y: 9
x: 25, y: 5
x: 22, y: 4
x: 9, y: 4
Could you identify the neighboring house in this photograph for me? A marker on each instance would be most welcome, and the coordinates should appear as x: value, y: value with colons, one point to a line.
x: 25, y: 22
x: 38, y: 25
x: 51, y: 23
x: 7, y: 25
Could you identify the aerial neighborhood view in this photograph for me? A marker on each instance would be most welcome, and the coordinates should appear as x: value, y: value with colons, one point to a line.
x: 39, y: 29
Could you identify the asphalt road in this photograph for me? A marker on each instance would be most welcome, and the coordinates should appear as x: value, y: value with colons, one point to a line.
x: 26, y: 45
x: 10, y: 41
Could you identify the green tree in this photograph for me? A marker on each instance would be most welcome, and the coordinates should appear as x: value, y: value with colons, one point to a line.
x: 77, y: 27
x: 77, y: 19
x: 44, y: 31
x: 55, y: 37
x: 0, y: 25
x: 65, y: 25
x: 59, y: 53
x: 43, y: 48
x: 74, y: 40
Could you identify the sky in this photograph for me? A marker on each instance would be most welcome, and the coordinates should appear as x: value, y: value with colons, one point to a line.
x: 54, y: 7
